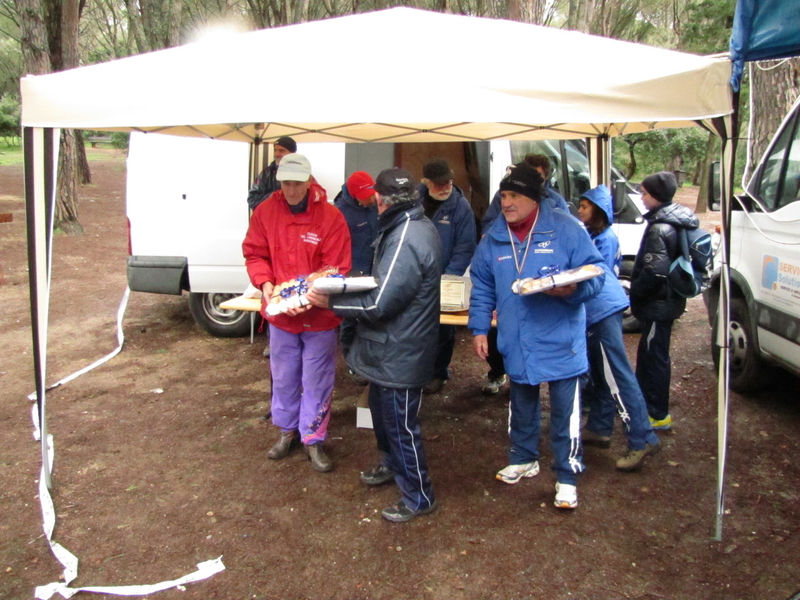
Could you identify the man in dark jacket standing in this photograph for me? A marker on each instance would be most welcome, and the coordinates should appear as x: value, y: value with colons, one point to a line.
x: 266, y: 182
x: 653, y: 302
x: 395, y: 341
x: 447, y: 208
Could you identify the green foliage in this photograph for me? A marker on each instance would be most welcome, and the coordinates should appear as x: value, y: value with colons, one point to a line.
x: 9, y: 117
x: 707, y: 27
x: 10, y: 152
x: 119, y: 140
x: 660, y: 150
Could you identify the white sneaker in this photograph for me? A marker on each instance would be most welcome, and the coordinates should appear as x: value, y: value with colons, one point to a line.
x: 493, y: 386
x: 513, y: 473
x: 566, y: 496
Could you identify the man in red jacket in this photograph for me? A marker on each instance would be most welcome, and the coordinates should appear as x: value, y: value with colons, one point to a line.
x: 297, y: 232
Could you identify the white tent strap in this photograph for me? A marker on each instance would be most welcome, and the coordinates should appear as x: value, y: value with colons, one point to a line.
x: 68, y: 560
x: 204, y: 571
x: 120, y: 341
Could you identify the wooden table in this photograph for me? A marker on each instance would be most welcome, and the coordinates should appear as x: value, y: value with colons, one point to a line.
x: 254, y: 305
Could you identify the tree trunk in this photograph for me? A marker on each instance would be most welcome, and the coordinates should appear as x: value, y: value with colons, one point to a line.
x: 773, y: 89
x: 33, y: 38
x: 712, y: 154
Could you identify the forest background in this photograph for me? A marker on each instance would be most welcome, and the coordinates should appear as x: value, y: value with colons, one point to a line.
x: 42, y: 36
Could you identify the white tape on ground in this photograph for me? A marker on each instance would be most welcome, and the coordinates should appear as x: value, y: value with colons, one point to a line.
x: 204, y: 571
x: 68, y: 560
x: 120, y: 341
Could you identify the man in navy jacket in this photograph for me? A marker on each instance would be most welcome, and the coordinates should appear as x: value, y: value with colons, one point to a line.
x: 445, y: 205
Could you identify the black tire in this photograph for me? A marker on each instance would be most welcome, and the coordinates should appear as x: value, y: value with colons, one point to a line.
x: 217, y: 321
x: 630, y: 324
x: 748, y: 373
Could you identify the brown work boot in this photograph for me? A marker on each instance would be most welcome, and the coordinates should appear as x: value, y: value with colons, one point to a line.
x: 632, y: 460
x: 284, y: 446
x: 319, y: 460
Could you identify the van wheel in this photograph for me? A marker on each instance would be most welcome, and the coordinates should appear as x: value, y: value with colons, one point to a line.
x: 217, y: 321
x: 630, y: 324
x: 748, y: 373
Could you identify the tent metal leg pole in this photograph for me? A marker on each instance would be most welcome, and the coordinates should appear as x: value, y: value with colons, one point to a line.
x: 40, y: 151
x: 723, y: 319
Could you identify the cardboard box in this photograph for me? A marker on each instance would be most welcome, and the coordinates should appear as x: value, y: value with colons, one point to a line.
x: 363, y: 415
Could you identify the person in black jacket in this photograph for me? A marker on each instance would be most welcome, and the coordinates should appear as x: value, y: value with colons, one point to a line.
x: 266, y: 183
x: 396, y: 339
x: 653, y: 302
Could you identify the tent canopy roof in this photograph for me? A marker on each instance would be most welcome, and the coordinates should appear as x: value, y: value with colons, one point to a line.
x: 438, y: 77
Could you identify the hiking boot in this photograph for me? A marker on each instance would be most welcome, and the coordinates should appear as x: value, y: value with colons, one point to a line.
x: 319, y: 460
x: 357, y: 379
x: 284, y: 446
x: 434, y: 386
x: 377, y: 475
x: 664, y: 424
x: 400, y: 513
x: 566, y: 496
x: 632, y: 460
x: 494, y: 385
x: 513, y: 473
x: 590, y: 438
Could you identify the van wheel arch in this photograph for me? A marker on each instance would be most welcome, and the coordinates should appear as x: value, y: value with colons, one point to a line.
x: 217, y: 321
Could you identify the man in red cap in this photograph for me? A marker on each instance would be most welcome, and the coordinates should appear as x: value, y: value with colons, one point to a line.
x: 356, y: 201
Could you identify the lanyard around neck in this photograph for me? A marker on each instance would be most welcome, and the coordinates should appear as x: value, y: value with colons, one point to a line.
x: 517, y: 264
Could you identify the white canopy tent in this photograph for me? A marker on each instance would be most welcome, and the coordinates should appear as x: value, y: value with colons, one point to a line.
x: 430, y: 77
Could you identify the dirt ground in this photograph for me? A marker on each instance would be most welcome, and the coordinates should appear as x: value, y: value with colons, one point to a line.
x: 147, y: 484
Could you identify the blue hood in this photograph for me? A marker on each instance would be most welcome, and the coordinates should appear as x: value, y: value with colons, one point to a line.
x: 601, y: 196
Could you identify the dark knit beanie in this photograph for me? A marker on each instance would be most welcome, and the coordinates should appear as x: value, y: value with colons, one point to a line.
x: 523, y: 179
x: 288, y: 143
x: 438, y: 171
x: 661, y: 186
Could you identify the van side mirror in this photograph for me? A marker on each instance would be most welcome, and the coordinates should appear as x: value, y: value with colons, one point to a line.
x: 714, y: 189
x: 618, y: 195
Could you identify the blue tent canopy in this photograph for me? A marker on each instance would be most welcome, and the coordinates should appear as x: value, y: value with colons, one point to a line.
x: 763, y: 30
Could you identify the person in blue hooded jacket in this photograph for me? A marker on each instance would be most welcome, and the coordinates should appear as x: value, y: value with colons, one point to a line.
x: 447, y: 208
x: 614, y: 382
x: 542, y: 337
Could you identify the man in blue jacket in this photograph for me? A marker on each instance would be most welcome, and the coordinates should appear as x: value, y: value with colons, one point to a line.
x: 541, y: 163
x: 542, y: 337
x: 445, y: 205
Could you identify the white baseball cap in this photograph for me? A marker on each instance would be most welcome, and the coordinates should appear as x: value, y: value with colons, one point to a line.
x: 294, y: 167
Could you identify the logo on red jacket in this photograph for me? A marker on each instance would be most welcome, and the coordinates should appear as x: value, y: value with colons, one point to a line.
x: 311, y: 238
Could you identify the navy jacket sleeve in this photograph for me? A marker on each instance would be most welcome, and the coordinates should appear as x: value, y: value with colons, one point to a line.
x: 465, y: 240
x: 399, y: 278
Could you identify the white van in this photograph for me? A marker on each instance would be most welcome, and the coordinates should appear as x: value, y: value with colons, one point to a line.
x: 765, y: 266
x: 187, y: 209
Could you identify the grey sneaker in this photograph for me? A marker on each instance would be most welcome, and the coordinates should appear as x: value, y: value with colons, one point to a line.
x: 513, y: 473
x: 632, y: 460
x: 494, y: 384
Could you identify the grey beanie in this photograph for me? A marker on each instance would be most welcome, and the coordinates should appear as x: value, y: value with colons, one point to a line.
x: 661, y: 186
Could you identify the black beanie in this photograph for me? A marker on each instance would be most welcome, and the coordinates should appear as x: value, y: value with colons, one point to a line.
x: 523, y: 179
x: 438, y: 171
x: 288, y: 143
x: 661, y: 186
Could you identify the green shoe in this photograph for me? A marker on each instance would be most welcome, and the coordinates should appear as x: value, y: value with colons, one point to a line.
x: 664, y: 424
